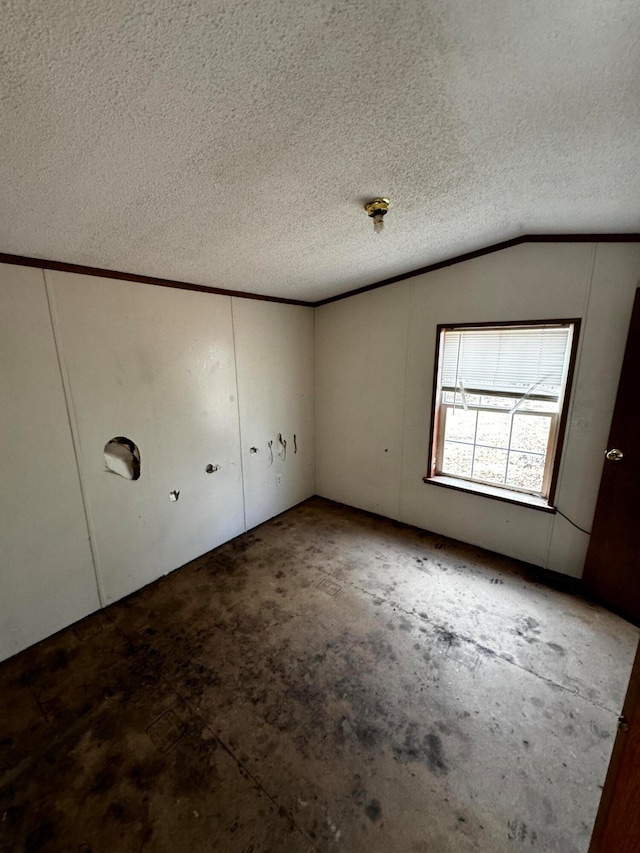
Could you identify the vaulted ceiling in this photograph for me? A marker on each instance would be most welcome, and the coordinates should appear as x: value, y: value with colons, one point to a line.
x: 233, y: 144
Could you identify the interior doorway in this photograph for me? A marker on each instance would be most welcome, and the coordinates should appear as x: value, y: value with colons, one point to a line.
x: 612, y: 567
x: 612, y: 572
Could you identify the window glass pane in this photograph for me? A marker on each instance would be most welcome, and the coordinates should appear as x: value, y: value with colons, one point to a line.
x: 460, y: 425
x: 531, y: 432
x: 457, y: 459
x: 459, y: 400
x: 498, y: 402
x: 539, y: 406
x: 469, y: 399
x: 525, y: 471
x: 490, y: 464
x: 493, y: 429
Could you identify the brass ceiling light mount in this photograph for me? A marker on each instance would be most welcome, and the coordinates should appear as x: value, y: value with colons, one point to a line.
x: 377, y: 209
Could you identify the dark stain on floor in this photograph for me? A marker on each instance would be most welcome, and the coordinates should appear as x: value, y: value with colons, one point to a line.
x: 231, y: 707
x: 373, y: 810
x: 422, y: 747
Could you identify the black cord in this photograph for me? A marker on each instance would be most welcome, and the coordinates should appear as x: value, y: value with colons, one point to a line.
x: 588, y: 532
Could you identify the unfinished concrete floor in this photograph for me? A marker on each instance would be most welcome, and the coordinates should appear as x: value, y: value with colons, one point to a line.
x: 329, y: 681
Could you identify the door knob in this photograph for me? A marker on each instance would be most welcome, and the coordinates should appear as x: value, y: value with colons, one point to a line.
x: 614, y: 455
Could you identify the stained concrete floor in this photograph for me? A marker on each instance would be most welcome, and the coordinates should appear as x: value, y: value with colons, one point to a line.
x: 330, y: 681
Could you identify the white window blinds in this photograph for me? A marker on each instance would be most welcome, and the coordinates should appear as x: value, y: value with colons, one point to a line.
x: 513, y: 361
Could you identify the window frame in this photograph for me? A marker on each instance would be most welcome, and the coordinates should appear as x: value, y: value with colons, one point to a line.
x: 497, y: 491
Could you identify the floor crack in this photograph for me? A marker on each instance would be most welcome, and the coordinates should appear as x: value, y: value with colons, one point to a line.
x: 464, y: 639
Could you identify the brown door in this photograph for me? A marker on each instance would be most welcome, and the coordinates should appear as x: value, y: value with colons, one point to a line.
x: 612, y: 567
x: 617, y: 828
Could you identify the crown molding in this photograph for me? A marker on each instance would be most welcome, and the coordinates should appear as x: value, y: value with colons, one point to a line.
x: 487, y: 250
x: 42, y: 263
x: 21, y: 260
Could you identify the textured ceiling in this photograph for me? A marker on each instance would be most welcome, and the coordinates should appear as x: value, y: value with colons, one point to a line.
x: 233, y: 143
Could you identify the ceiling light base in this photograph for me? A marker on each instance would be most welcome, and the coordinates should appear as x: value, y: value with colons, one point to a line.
x: 377, y: 210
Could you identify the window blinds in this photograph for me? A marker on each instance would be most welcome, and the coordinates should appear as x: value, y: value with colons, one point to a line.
x: 513, y: 361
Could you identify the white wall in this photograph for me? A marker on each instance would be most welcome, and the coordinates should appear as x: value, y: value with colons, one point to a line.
x: 198, y: 378
x: 155, y: 365
x: 374, y: 375
x: 46, y: 573
x: 360, y: 378
x: 275, y: 362
x: 166, y: 368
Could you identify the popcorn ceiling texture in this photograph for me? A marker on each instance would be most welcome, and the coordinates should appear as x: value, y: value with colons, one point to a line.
x: 233, y: 144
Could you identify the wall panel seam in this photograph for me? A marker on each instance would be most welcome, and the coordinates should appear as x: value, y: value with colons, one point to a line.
x: 404, y: 405
x: 571, y: 401
x: 235, y: 368
x: 316, y: 431
x: 75, y: 437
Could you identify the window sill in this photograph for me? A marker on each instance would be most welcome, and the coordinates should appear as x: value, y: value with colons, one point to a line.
x: 532, y: 501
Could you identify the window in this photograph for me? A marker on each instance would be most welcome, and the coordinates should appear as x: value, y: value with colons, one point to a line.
x: 499, y: 408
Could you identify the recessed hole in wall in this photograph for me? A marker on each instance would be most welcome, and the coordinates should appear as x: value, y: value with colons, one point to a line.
x: 122, y: 457
x: 210, y: 469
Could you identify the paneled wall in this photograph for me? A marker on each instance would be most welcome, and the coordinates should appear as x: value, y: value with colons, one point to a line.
x: 374, y: 383
x: 155, y: 365
x: 46, y: 571
x: 199, y: 380
x: 182, y: 374
x: 275, y: 361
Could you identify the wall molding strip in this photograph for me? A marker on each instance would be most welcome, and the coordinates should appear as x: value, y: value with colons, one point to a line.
x: 42, y: 263
x: 487, y: 250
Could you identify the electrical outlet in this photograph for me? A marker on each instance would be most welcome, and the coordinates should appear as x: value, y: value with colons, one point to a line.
x: 278, y: 479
